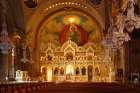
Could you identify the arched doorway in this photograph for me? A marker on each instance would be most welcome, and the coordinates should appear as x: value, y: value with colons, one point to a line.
x: 69, y: 72
x: 90, y: 73
x: 49, y: 74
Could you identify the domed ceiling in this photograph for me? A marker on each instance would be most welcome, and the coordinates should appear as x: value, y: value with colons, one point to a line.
x: 76, y: 25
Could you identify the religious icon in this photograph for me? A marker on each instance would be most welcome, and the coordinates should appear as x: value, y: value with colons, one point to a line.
x: 56, y: 71
x: 75, y: 33
x: 77, y: 71
x: 61, y: 71
x: 97, y: 71
x: 83, y: 71
x: 49, y: 57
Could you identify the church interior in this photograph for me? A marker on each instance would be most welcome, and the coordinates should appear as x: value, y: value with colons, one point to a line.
x: 90, y: 46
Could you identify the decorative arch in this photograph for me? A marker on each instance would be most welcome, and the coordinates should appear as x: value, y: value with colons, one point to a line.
x: 43, y: 12
x: 47, y: 9
x: 69, y: 44
x: 90, y: 50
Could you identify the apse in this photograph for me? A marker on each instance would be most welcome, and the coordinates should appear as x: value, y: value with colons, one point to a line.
x: 75, y: 25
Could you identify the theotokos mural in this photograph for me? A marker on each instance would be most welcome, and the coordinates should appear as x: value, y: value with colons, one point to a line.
x: 75, y: 32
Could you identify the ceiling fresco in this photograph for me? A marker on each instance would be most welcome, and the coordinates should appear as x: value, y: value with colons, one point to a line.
x: 75, y: 25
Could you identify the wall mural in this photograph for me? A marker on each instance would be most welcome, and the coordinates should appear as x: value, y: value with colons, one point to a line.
x: 74, y: 32
x: 77, y: 26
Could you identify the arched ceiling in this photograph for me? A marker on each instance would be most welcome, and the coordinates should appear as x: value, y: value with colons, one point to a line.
x: 55, y: 22
x: 54, y: 25
x: 45, y: 19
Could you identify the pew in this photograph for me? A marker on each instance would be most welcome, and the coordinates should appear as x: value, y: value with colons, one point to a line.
x: 68, y: 87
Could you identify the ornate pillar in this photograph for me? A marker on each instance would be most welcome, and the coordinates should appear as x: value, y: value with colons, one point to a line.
x: 5, y: 44
x: 122, y: 61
